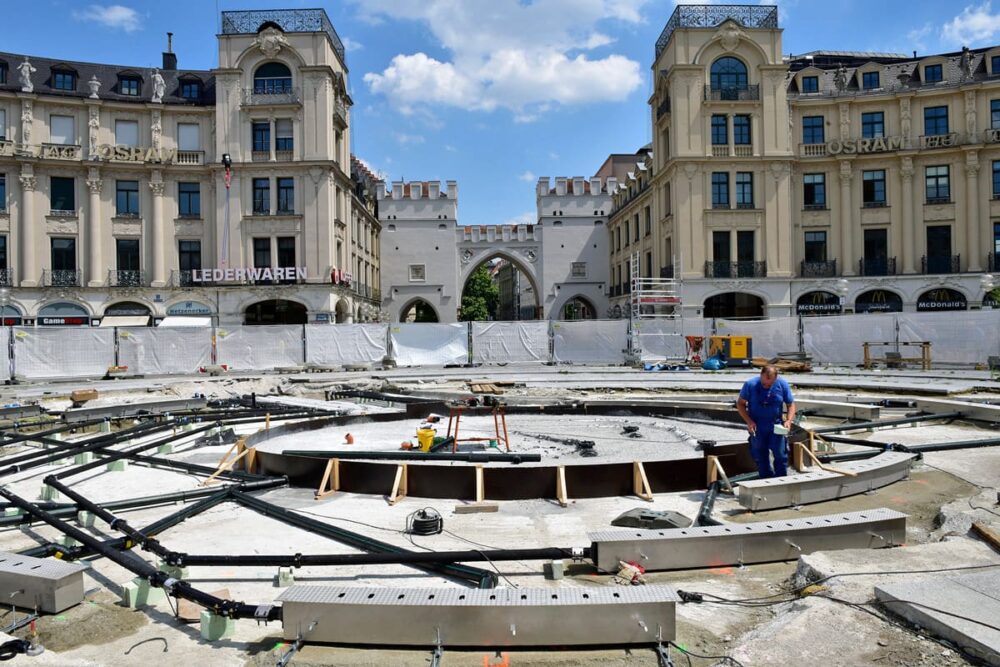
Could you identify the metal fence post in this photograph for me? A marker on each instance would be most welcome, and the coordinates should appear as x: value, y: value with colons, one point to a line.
x: 802, y: 336
x: 305, y: 351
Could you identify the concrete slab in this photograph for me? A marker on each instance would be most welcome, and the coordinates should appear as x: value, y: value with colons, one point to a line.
x: 977, y: 411
x: 962, y: 609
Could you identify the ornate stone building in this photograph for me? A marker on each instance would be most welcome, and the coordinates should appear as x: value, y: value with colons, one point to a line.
x: 154, y: 192
x: 823, y: 183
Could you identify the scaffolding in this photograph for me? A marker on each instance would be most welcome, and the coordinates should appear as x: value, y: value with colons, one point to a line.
x: 657, y: 330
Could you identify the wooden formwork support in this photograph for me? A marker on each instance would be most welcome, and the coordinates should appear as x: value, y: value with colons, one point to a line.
x: 227, y: 462
x: 798, y: 462
x: 330, y: 483
x: 803, y: 451
x: 480, y: 484
x: 400, y: 484
x: 640, y: 483
x: 715, y: 471
x: 988, y: 534
x: 561, y: 494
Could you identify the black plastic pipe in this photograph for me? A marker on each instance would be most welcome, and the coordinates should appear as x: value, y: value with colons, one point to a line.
x: 840, y: 428
x: 947, y: 446
x: 470, y: 457
x: 405, y: 557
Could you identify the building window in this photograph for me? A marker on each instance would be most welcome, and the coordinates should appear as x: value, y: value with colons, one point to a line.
x: 418, y: 272
x: 728, y: 75
x: 995, y: 65
x: 188, y: 137
x: 63, y: 256
x: 127, y: 198
x: 810, y: 84
x: 286, y: 254
x: 873, y: 124
x: 286, y: 195
x: 814, y: 191
x: 189, y: 200
x: 635, y: 227
x: 815, y: 247
x: 578, y: 270
x: 189, y: 254
x: 62, y: 130
x: 812, y: 130
x: 996, y: 179
x: 127, y: 255
x: 869, y: 80
x: 191, y: 90
x: 3, y: 124
x: 935, y: 121
x: 63, y: 80
x: 283, y: 134
x: 933, y: 73
x: 262, y: 253
x: 741, y: 130
x: 618, y: 238
x: 720, y: 130
x: 938, y: 188
x: 720, y: 247
x: 649, y: 221
x: 129, y: 85
x: 262, y: 137
x: 873, y: 188
x: 3, y: 73
x: 744, y: 189
x: 3, y: 189
x: 63, y: 194
x: 272, y: 79
x: 745, y: 253
x: 262, y: 196
x: 995, y: 109
x: 720, y: 189
x: 127, y: 132
x: 5, y: 280
x: 626, y: 230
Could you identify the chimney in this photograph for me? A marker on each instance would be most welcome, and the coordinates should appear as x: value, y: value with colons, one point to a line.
x: 433, y: 189
x: 543, y: 186
x: 560, y: 187
x: 452, y: 189
x: 169, y: 57
x: 416, y: 190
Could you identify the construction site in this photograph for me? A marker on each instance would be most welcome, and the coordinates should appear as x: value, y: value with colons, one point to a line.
x: 512, y: 513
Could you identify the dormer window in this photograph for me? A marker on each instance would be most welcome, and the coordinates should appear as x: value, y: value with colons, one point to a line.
x: 870, y: 81
x: 995, y: 65
x: 810, y: 84
x: 191, y: 90
x: 272, y: 79
x: 933, y: 73
x: 3, y: 73
x: 63, y: 80
x: 129, y: 85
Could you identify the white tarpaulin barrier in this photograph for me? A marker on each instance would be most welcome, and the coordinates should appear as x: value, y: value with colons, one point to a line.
x: 590, y: 341
x: 339, y: 344
x: 149, y: 351
x: 965, y: 337
x: 837, y: 339
x: 769, y: 336
x: 504, y: 342
x: 429, y: 344
x: 5, y: 355
x: 659, y: 340
x: 259, y: 347
x: 63, y: 352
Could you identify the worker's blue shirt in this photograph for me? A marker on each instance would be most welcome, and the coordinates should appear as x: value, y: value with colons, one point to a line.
x: 765, y: 404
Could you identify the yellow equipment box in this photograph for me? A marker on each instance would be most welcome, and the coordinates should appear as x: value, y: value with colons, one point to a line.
x: 735, y: 350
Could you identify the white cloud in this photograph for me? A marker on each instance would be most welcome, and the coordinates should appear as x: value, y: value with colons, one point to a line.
x: 405, y: 139
x: 351, y: 45
x: 553, y: 155
x: 111, y: 16
x: 918, y: 37
x: 526, y: 218
x: 450, y: 148
x: 527, y: 176
x: 507, y: 54
x: 973, y: 25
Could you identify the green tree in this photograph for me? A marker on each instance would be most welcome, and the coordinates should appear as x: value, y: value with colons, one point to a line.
x: 480, y: 296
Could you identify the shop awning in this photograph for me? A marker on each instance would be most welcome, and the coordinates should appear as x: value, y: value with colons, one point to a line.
x: 124, y: 321
x: 185, y: 321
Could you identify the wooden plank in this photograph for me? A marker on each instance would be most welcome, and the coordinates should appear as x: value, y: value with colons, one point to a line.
x: 991, y: 536
x: 190, y: 612
x: 561, y: 494
x: 480, y: 485
x: 399, y: 485
x: 821, y: 466
x: 715, y: 471
x: 640, y: 483
x: 330, y: 483
x: 475, y: 508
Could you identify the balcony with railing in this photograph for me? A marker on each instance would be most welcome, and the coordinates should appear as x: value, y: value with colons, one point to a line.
x: 249, y: 22
x: 61, y: 278
x: 812, y: 150
x: 937, y: 264
x: 720, y: 150
x: 340, y: 112
x: 992, y: 135
x: 749, y: 93
x: 946, y: 140
x: 877, y: 266
x: 744, y: 269
x: 826, y: 268
x: 190, y: 157
x: 126, y: 278
x: 184, y: 278
x: 709, y: 16
x: 743, y: 150
x: 279, y: 95
x: 6, y: 277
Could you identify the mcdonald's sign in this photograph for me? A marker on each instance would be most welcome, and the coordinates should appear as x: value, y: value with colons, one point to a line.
x: 942, y: 298
x: 878, y: 301
x: 818, y: 303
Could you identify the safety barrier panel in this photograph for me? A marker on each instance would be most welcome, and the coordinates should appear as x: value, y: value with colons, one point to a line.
x: 260, y: 347
x: 57, y: 353
x: 342, y: 344
x: 837, y: 339
x: 8, y: 359
x: 770, y: 337
x: 505, y: 342
x: 590, y: 341
x: 151, y: 351
x: 956, y: 336
x: 429, y: 344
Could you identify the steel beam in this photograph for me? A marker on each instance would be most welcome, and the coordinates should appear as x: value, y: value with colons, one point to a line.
x: 742, y: 543
x: 133, y: 409
x: 467, y: 457
x: 820, y: 486
x: 500, y: 618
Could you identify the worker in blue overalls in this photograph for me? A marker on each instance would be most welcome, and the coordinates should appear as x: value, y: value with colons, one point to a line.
x: 760, y: 405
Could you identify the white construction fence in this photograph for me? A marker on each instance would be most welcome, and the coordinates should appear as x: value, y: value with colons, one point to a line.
x: 36, y: 353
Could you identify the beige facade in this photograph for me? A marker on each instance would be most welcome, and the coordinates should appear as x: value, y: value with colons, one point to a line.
x: 116, y: 188
x: 633, y: 236
x: 775, y: 178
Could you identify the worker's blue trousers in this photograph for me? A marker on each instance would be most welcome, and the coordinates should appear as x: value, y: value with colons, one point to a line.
x: 763, y: 446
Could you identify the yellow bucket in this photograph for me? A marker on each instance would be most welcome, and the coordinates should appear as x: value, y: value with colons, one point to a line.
x: 425, y: 436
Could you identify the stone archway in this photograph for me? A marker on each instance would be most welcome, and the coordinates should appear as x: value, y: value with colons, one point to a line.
x: 418, y: 310
x: 518, y: 301
x: 734, y: 305
x: 578, y: 308
x: 275, y: 311
x: 342, y: 312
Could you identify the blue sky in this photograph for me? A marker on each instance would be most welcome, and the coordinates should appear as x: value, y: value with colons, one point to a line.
x: 491, y: 93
